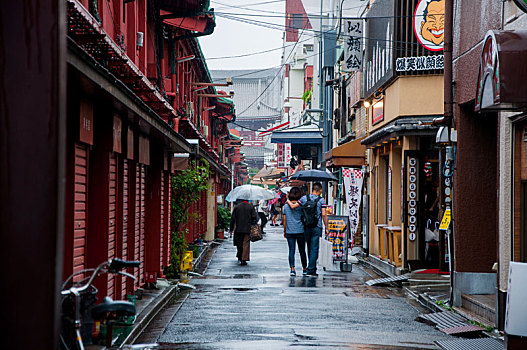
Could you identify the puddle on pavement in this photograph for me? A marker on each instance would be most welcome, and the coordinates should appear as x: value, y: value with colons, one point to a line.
x: 239, y: 289
x: 237, y: 276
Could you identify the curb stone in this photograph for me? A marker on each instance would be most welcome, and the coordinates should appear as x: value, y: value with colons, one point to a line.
x: 155, y: 307
x: 149, y: 313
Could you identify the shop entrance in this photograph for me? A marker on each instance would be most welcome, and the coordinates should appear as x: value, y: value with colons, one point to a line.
x: 421, y: 208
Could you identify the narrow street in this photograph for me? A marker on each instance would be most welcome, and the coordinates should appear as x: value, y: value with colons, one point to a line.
x: 260, y: 307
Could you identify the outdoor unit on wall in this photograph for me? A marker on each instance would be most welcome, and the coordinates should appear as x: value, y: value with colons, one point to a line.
x: 190, y: 109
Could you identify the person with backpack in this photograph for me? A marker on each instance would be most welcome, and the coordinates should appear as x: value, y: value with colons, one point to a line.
x: 313, y: 213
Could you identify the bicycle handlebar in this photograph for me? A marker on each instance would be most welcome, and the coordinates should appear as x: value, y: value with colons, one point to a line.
x: 112, y: 266
x: 118, y: 264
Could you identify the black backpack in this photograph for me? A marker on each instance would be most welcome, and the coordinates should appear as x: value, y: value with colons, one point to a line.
x: 309, y: 212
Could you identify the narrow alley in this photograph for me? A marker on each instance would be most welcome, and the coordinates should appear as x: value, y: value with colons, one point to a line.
x: 259, y: 306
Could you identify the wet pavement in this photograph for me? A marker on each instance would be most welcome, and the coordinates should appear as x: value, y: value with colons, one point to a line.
x: 259, y: 306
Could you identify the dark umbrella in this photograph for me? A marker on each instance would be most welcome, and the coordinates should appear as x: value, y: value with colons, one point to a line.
x: 313, y: 175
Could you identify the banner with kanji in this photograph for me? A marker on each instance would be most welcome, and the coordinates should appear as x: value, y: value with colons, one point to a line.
x: 353, y: 187
x: 338, y: 236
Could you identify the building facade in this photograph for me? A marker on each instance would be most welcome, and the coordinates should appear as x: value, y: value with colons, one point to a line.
x: 488, y: 113
x: 140, y: 104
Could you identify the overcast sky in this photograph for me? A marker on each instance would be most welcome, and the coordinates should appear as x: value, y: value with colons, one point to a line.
x: 232, y: 37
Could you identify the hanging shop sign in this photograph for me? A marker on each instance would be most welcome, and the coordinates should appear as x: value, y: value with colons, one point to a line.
x: 284, y: 154
x: 352, y: 30
x: 353, y: 179
x: 378, y: 62
x: 412, y: 197
x: 419, y: 37
x: 338, y: 231
x: 501, y: 83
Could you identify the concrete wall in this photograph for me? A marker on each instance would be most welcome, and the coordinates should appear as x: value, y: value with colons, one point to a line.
x: 505, y: 199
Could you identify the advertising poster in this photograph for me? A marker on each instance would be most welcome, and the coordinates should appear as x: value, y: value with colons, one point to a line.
x: 338, y: 228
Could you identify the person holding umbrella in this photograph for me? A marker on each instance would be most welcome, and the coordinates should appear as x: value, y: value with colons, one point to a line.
x: 314, y: 232
x: 243, y: 216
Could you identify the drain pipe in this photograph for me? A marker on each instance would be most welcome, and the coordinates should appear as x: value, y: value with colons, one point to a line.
x: 448, y: 121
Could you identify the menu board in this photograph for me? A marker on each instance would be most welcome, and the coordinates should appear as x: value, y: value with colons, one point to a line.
x: 338, y: 227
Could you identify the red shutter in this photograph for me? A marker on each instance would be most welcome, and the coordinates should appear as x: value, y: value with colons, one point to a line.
x: 80, y: 199
x: 162, y: 228
x: 112, y: 198
x: 124, y: 248
x: 168, y: 217
x: 137, y: 222
x: 142, y: 224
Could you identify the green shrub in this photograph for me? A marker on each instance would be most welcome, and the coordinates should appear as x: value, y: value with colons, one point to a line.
x: 223, y: 218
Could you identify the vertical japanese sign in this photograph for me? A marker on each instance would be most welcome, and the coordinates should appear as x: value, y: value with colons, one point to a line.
x: 352, y: 30
x: 353, y: 186
x: 338, y: 236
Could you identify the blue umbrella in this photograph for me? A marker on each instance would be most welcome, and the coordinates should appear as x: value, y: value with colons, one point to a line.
x: 313, y: 175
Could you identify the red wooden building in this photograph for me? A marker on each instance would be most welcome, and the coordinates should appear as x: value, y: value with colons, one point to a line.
x: 138, y: 92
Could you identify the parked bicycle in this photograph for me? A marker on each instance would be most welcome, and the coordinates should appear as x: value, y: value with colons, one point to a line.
x: 79, y: 310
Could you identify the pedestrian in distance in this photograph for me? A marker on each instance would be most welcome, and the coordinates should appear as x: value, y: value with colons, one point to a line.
x: 313, y: 214
x: 274, y: 214
x: 243, y: 216
x: 294, y: 230
x: 262, y: 213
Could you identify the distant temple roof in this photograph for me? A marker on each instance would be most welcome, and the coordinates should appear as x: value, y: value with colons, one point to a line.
x: 248, y: 85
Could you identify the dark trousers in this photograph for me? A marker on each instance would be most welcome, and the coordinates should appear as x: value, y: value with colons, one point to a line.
x: 301, y: 242
x: 264, y: 219
x: 312, y: 237
x: 243, y: 247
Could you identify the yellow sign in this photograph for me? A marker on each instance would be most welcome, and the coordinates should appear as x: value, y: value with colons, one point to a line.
x: 447, y: 216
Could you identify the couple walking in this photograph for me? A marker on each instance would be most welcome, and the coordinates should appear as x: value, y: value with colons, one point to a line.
x: 302, y: 218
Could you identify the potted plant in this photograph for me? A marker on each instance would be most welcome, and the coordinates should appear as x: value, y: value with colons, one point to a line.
x: 223, y: 221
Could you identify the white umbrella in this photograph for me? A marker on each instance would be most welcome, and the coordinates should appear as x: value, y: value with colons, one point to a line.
x: 286, y: 189
x: 250, y: 193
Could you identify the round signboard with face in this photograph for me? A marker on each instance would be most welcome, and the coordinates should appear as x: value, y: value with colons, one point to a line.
x: 429, y: 23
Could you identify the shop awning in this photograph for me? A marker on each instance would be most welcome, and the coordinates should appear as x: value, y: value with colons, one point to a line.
x: 350, y: 154
x: 306, y: 134
x: 501, y: 80
x: 408, y: 126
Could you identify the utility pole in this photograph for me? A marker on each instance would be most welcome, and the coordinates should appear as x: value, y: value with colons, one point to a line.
x: 321, y: 93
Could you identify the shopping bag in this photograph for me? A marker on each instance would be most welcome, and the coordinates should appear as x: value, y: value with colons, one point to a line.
x: 256, y: 233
